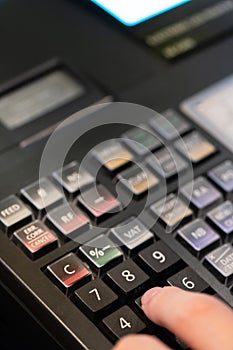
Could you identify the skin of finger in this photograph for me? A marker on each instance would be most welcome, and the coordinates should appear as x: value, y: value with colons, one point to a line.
x: 201, y: 321
x: 140, y: 342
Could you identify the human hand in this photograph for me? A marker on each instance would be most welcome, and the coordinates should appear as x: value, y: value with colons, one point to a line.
x: 199, y: 320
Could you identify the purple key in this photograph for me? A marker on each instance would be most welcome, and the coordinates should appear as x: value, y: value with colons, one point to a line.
x: 199, y: 236
x: 222, y: 217
x: 222, y: 175
x: 201, y: 194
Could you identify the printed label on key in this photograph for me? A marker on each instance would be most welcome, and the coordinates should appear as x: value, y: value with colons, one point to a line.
x: 221, y: 259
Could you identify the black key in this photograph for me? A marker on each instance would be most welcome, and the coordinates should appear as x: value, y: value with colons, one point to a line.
x: 141, y: 140
x: 188, y: 279
x: 112, y: 155
x: 42, y: 195
x: 95, y: 298
x: 222, y: 176
x: 102, y: 253
x: 35, y: 239
x: 132, y: 234
x: 220, y: 263
x: 195, y: 147
x: 198, y: 237
x: 167, y: 163
x: 13, y: 214
x: 69, y: 271
x: 171, y: 211
x: 138, y: 180
x: 222, y: 218
x: 122, y: 322
x: 170, y: 124
x: 99, y: 202
x: 127, y: 279
x: 160, y: 260
x: 68, y: 220
x: 73, y: 179
x: 201, y: 194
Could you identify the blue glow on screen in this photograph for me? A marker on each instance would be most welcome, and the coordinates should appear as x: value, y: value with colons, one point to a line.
x: 132, y: 12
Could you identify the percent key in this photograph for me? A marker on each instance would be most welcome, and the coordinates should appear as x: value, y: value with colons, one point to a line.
x: 101, y: 253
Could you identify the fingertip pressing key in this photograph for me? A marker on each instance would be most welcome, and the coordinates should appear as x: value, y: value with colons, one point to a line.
x: 187, y: 314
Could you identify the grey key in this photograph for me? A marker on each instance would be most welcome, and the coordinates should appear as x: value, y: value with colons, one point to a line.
x: 13, y: 213
x: 221, y: 262
x: 132, y: 234
x: 73, y: 179
x: 42, y: 194
x: 222, y: 176
x: 222, y: 217
x: 172, y: 211
x: 201, y: 194
x: 167, y: 162
x: 198, y: 236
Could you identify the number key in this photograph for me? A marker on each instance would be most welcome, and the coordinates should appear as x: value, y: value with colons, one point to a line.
x: 122, y: 322
x: 94, y: 298
x: 127, y: 278
x: 159, y: 259
x: 187, y: 279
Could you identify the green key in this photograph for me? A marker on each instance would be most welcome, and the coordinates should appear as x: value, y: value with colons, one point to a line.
x: 101, y: 252
x: 141, y: 140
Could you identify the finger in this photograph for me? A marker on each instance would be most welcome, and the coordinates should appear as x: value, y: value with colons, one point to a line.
x: 201, y: 321
x: 140, y: 342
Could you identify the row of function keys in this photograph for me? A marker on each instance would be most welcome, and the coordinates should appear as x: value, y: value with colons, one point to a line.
x: 69, y: 220
x: 44, y: 194
x: 132, y: 235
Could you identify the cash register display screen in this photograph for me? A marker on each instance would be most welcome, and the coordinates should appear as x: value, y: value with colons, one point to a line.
x: 37, y: 98
x: 213, y: 110
x: 132, y: 12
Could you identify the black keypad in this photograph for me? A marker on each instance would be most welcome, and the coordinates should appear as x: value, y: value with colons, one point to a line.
x: 167, y: 163
x: 123, y: 322
x: 95, y: 298
x: 171, y: 212
x: 132, y: 234
x: 13, y: 214
x: 222, y: 176
x: 106, y: 272
x: 201, y: 194
x: 170, y: 124
x: 160, y: 260
x: 199, y: 237
x: 68, y: 220
x: 99, y: 202
x: 127, y: 278
x: 222, y: 218
x: 42, y: 195
x: 73, y: 179
x: 141, y: 140
x: 189, y: 280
